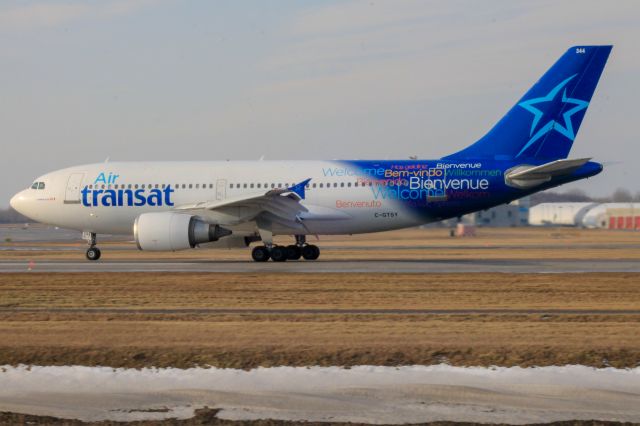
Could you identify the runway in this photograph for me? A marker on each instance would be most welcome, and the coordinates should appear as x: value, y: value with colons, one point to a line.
x: 320, y: 266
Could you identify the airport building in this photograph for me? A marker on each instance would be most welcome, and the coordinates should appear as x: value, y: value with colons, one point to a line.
x: 512, y: 214
x: 515, y: 213
x: 587, y: 215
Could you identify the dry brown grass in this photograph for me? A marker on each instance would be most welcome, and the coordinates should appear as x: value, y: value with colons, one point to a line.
x: 187, y: 339
x: 340, y: 340
x: 326, y: 291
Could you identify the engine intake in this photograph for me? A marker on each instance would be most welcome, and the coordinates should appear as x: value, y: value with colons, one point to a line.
x: 168, y: 231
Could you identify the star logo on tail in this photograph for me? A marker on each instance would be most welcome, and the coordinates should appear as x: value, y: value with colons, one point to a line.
x: 552, y: 101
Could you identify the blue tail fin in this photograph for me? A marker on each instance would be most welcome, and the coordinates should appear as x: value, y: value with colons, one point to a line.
x: 544, y: 123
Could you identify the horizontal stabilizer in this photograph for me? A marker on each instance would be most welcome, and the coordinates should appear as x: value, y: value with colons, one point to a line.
x: 530, y: 176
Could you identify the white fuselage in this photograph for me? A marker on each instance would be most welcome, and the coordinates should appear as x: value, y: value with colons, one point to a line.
x: 343, y: 202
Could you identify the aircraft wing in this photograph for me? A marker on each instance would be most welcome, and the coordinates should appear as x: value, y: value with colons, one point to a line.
x: 280, y: 205
x: 529, y: 176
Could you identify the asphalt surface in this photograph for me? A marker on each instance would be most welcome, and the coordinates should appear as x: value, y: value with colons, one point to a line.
x: 320, y: 266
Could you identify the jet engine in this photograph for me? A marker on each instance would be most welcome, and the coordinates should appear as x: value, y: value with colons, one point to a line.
x: 168, y: 231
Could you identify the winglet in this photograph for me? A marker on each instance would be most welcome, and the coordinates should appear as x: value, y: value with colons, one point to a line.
x: 298, y: 188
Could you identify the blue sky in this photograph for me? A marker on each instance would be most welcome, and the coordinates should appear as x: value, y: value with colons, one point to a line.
x: 168, y: 79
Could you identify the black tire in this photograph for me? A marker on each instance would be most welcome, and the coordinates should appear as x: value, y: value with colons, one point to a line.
x: 279, y: 254
x: 260, y: 254
x: 294, y: 252
x: 93, y: 253
x: 310, y: 252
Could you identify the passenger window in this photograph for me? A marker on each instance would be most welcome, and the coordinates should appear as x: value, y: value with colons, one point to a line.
x: 197, y: 186
x: 251, y: 185
x: 314, y: 185
x: 210, y: 186
x: 279, y: 185
x: 135, y: 186
x: 41, y: 185
x: 321, y: 185
x: 335, y: 184
x: 230, y: 186
x: 341, y: 184
x: 355, y: 184
x: 349, y: 184
x: 156, y: 186
x: 129, y: 186
x: 258, y: 185
x: 273, y: 185
x: 245, y: 185
x: 190, y: 185
x: 184, y: 186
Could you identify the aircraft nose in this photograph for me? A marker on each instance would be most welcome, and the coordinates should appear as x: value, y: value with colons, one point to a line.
x: 17, y: 201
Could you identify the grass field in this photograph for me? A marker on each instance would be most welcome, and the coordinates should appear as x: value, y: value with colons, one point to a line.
x: 601, y: 291
x: 185, y: 339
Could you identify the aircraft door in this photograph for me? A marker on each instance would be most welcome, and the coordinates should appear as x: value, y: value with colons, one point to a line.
x: 221, y: 189
x: 72, y: 193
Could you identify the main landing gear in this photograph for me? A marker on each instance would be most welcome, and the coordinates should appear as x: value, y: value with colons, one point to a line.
x: 93, y: 252
x: 284, y: 253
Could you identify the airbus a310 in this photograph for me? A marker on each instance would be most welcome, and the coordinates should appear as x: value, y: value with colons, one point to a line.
x: 182, y: 205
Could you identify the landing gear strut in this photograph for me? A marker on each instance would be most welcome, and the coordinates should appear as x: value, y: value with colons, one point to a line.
x: 93, y: 252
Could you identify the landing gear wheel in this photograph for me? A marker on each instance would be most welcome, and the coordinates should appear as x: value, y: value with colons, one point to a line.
x: 93, y: 253
x: 310, y: 252
x: 279, y: 254
x: 260, y: 254
x: 294, y: 252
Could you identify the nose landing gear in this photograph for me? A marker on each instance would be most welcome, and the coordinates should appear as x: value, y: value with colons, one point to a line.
x: 93, y: 252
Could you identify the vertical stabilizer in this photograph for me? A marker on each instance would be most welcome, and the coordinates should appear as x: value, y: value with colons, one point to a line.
x: 544, y: 123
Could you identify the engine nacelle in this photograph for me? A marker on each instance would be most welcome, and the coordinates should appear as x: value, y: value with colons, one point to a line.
x: 168, y: 231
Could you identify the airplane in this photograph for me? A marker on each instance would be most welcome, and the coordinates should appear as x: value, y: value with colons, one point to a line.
x: 177, y: 205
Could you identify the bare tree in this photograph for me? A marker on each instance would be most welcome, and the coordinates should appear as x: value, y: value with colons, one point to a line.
x: 622, y: 195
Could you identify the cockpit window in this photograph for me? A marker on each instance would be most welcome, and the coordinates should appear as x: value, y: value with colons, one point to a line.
x: 37, y: 185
